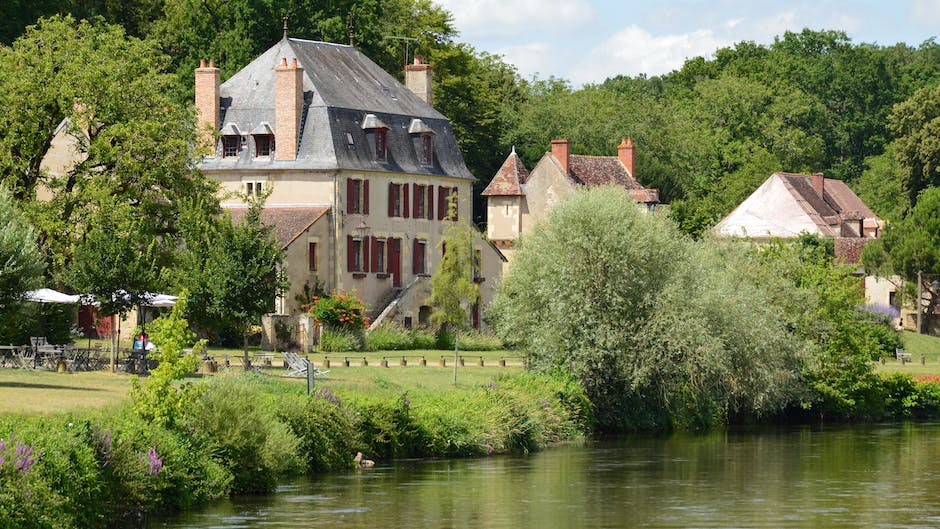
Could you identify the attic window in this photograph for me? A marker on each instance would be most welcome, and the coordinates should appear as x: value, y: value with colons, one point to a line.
x: 379, y: 130
x: 423, y: 137
x: 231, y: 140
x: 264, y: 140
x: 349, y: 139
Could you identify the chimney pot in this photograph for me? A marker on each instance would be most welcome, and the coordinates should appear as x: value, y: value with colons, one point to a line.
x: 625, y: 154
x: 419, y: 59
x: 293, y: 63
x: 211, y: 63
x: 283, y: 62
x: 202, y: 63
x: 819, y: 184
x: 560, y: 149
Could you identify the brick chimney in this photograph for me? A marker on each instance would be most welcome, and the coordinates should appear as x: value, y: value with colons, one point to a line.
x: 288, y: 106
x: 819, y: 183
x: 419, y: 78
x: 625, y: 154
x: 560, y: 150
x: 207, y: 104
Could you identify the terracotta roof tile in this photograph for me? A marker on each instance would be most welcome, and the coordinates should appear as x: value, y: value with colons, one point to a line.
x: 288, y: 222
x: 595, y: 171
x: 849, y: 249
x: 508, y: 179
x: 837, y: 203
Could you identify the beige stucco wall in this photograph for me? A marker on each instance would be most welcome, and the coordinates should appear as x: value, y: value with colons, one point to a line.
x: 286, y: 187
x: 374, y: 289
x: 297, y: 268
x: 503, y: 217
x: 547, y: 185
x: 878, y: 290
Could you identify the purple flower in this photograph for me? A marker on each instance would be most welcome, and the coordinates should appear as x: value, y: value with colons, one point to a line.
x: 156, y: 464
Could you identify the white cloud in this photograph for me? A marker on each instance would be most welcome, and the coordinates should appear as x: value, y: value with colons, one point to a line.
x: 634, y: 50
x: 534, y: 58
x: 493, y: 18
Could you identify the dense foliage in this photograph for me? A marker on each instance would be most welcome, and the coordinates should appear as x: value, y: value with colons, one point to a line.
x: 239, y: 434
x: 664, y: 333
x: 21, y: 264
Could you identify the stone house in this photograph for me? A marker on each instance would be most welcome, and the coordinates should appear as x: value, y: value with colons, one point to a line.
x: 358, y: 170
x: 516, y: 199
x: 788, y: 204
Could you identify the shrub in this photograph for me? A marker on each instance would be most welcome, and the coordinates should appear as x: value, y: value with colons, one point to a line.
x: 388, y: 429
x: 233, y: 420
x: 333, y: 341
x: 339, y: 311
x: 327, y: 438
x: 390, y: 337
x: 479, y: 341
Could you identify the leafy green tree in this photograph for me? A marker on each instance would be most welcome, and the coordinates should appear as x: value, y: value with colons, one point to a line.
x: 21, y: 263
x: 916, y: 124
x: 453, y: 290
x: 883, y: 186
x: 911, y: 246
x: 106, y: 97
x: 661, y: 332
x: 232, y: 270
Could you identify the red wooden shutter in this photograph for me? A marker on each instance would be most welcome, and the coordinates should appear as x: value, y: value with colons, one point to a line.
x: 375, y: 254
x: 391, y: 199
x: 441, y: 202
x: 349, y: 195
x: 312, y: 256
x: 365, y: 197
x: 350, y: 254
x: 365, y: 253
x: 405, y: 210
x: 429, y: 211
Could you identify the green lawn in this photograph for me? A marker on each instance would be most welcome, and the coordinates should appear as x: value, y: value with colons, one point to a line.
x: 46, y: 392
x: 918, y: 345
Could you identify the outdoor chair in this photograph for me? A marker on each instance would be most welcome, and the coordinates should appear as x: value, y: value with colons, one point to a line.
x: 297, y: 366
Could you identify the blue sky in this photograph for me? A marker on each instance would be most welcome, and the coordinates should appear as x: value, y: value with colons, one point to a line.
x: 586, y: 41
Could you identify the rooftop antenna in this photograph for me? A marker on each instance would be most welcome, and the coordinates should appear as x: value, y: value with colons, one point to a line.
x: 285, y: 26
x: 407, y: 41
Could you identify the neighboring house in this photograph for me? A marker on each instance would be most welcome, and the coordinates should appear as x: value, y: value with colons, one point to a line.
x: 358, y: 170
x: 516, y: 199
x: 787, y: 205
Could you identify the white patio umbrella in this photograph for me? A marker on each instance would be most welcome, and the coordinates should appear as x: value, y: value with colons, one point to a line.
x: 47, y: 295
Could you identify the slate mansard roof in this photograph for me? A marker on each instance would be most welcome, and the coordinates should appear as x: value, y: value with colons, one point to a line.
x: 341, y: 86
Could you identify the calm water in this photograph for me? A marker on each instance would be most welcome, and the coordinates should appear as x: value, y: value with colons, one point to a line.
x: 868, y: 476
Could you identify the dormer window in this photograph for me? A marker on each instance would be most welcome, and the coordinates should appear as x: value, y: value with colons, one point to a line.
x: 264, y: 140
x: 423, y: 138
x: 379, y: 130
x: 231, y: 141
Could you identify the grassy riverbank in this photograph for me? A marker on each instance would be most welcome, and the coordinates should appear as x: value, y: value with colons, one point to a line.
x: 84, y: 467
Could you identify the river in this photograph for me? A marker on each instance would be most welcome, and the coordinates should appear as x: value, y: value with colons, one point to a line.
x: 884, y: 475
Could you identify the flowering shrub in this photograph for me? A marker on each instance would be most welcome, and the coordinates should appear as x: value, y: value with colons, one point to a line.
x: 339, y: 311
x: 17, y: 456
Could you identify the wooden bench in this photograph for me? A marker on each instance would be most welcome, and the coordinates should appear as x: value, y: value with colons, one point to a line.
x: 902, y: 356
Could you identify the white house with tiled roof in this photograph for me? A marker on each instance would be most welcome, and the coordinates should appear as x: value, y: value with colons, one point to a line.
x: 516, y: 199
x: 358, y: 170
x: 789, y: 204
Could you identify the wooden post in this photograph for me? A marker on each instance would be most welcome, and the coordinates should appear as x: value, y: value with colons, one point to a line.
x: 326, y: 362
x: 384, y: 363
x: 404, y: 362
x: 424, y: 361
x: 443, y: 362
x: 481, y: 361
x: 346, y: 362
x: 502, y: 362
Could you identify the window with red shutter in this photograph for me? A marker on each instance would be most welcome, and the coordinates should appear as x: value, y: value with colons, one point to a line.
x: 312, y: 256
x: 441, y: 202
x: 350, y: 254
x: 394, y: 200
x: 350, y: 194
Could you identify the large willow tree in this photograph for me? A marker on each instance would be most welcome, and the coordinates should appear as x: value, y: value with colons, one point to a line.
x: 661, y: 330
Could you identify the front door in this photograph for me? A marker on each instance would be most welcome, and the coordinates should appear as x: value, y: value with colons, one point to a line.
x: 394, y: 261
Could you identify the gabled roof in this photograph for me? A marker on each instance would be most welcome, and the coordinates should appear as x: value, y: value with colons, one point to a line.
x: 787, y: 204
x: 288, y: 222
x: 509, y: 179
x: 836, y: 204
x: 341, y: 87
x: 594, y: 171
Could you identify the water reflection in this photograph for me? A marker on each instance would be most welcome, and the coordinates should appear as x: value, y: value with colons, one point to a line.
x: 869, y: 476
